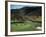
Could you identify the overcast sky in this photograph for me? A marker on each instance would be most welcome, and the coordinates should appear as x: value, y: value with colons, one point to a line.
x: 16, y: 6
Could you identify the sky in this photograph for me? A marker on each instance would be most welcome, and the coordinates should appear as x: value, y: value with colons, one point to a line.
x: 19, y: 6
x: 16, y: 6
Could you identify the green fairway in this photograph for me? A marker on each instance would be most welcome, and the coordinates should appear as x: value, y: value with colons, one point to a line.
x: 26, y: 26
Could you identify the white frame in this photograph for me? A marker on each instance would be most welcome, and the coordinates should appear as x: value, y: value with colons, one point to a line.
x: 25, y: 32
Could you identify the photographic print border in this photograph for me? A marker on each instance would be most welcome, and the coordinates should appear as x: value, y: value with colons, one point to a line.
x: 6, y: 18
